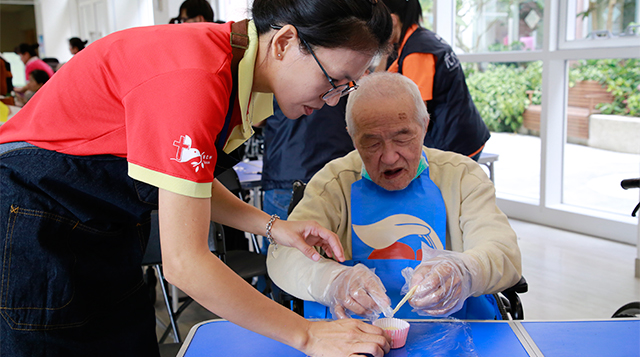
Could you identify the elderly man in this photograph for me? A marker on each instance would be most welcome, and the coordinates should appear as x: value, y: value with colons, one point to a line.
x: 395, y: 205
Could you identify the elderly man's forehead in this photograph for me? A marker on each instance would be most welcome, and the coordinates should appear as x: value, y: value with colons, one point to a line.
x: 390, y: 107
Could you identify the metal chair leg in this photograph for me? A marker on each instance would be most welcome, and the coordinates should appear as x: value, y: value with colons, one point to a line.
x: 174, y: 325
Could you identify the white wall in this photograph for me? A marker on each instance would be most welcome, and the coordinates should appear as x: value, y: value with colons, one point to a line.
x: 58, y: 20
x: 131, y: 13
x: 165, y: 10
x: 234, y: 10
x: 54, y: 26
x: 226, y: 10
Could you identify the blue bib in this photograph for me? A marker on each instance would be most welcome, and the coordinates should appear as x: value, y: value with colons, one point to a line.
x: 388, y: 230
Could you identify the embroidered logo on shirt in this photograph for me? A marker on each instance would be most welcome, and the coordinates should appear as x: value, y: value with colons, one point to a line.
x: 186, y: 153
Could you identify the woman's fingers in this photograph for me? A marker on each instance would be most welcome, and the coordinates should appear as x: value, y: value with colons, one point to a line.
x: 346, y: 338
x: 328, y: 240
x: 304, y: 235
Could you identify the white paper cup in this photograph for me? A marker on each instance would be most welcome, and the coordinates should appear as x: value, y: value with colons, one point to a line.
x: 397, y: 329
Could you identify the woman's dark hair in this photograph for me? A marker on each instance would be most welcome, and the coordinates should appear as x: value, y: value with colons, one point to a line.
x: 409, y: 12
x: 27, y: 48
x: 77, y: 43
x: 194, y: 8
x: 40, y: 76
x: 360, y: 25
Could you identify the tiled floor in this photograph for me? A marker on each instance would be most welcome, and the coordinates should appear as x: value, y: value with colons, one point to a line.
x: 570, y: 276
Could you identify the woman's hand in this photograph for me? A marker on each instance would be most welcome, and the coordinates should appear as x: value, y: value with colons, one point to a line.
x: 345, y: 338
x: 304, y: 235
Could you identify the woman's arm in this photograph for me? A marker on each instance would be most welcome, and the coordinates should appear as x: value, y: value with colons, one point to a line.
x: 229, y: 210
x: 188, y: 264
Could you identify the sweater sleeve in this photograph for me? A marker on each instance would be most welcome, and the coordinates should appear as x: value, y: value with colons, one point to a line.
x: 486, y: 233
x: 323, y: 202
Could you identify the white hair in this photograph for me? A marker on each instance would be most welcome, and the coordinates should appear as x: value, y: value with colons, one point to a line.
x: 387, y: 85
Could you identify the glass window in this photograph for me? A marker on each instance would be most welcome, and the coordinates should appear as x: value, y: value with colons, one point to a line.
x: 427, y: 13
x: 498, y: 25
x: 603, y: 127
x: 505, y: 94
x: 602, y: 18
x: 17, y: 68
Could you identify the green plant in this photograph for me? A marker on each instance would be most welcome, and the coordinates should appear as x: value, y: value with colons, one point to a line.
x: 621, y: 78
x: 499, y: 91
x: 514, y: 46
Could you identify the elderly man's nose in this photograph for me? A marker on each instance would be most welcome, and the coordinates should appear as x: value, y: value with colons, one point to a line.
x: 389, y: 155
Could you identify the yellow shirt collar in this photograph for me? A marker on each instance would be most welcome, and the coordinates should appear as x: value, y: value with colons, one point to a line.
x: 254, y: 106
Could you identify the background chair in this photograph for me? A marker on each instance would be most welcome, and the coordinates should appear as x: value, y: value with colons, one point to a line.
x: 508, y: 300
x: 52, y: 62
x: 247, y: 264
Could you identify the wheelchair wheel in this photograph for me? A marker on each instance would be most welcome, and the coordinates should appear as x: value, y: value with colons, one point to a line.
x: 631, y: 309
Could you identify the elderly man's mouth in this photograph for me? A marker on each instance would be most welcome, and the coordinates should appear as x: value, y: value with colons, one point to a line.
x: 392, y: 173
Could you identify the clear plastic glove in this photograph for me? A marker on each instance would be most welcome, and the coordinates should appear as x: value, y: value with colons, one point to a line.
x: 444, y: 280
x: 356, y: 290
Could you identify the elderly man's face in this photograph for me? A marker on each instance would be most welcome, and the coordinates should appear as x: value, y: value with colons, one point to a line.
x: 389, y: 140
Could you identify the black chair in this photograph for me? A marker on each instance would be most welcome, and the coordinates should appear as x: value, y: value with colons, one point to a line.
x: 508, y: 300
x: 237, y: 255
x: 52, y: 62
x: 153, y: 261
x: 247, y: 264
x: 235, y: 238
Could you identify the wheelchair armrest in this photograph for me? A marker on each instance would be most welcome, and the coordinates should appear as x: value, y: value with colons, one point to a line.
x: 297, y: 194
x: 520, y: 287
x: 515, y: 305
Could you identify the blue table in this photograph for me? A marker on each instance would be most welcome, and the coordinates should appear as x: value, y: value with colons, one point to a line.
x: 619, y: 337
x: 615, y: 337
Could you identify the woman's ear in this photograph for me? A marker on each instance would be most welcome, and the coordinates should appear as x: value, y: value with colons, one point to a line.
x: 397, y: 28
x: 284, y: 41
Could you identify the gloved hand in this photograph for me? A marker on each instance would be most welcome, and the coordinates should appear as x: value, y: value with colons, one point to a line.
x: 356, y: 289
x: 444, y: 279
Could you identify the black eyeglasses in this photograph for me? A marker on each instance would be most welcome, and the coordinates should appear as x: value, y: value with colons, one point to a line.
x: 336, y: 90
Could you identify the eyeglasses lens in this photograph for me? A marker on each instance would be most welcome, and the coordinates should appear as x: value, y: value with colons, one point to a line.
x: 340, y: 90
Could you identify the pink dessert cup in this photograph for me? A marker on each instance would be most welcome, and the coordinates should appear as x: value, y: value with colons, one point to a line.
x: 397, y: 329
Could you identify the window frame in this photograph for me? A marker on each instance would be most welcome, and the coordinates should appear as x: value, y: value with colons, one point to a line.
x: 555, y: 54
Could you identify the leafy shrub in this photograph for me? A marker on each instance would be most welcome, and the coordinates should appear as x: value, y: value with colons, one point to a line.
x: 621, y: 78
x: 500, y: 92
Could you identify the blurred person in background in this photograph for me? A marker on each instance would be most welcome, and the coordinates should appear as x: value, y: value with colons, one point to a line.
x: 194, y: 11
x: 29, y: 57
x: 430, y: 62
x: 76, y: 45
x: 37, y: 78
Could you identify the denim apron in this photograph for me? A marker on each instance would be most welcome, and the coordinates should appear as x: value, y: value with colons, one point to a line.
x: 388, y: 230
x: 73, y: 230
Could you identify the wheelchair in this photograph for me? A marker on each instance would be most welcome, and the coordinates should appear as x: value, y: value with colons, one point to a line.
x: 631, y: 309
x: 508, y: 300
